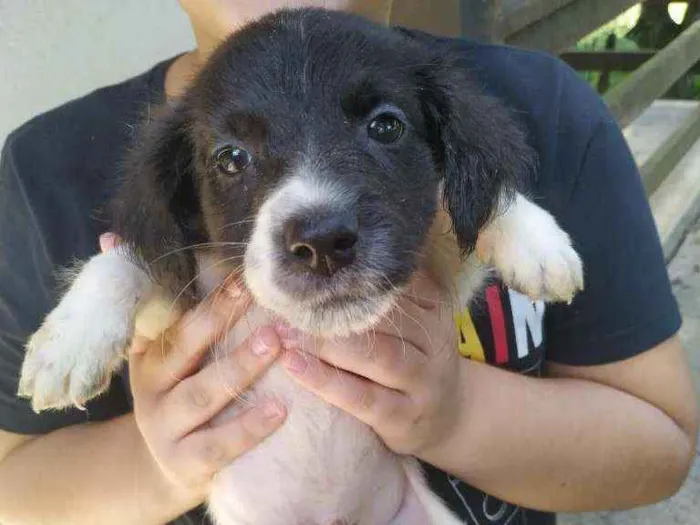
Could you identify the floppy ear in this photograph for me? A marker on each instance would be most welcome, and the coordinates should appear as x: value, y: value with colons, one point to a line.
x: 483, y: 152
x: 156, y: 211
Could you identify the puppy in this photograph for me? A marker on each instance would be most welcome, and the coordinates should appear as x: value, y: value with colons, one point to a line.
x: 323, y: 160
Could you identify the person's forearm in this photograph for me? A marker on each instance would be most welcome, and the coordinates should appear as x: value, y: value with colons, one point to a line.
x: 92, y: 473
x: 562, y: 445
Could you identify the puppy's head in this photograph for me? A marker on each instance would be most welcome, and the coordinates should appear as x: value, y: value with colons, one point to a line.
x: 314, y: 152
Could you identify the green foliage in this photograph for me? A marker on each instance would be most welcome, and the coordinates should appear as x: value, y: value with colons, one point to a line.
x: 619, y: 27
x: 597, y: 44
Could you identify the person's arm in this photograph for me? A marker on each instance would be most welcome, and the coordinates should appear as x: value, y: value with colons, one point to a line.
x: 610, y: 437
x: 90, y: 473
x: 616, y: 436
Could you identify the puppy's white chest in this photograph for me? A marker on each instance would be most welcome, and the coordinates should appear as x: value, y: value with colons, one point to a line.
x: 321, y: 466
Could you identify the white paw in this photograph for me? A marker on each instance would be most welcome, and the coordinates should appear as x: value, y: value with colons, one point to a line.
x: 82, y: 342
x: 71, y: 359
x: 532, y: 253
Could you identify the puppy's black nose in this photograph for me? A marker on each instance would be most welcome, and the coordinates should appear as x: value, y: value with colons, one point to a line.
x: 323, y: 243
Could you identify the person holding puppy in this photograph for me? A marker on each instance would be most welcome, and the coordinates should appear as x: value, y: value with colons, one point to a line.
x: 552, y: 408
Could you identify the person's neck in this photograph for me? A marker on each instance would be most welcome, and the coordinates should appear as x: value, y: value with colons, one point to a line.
x: 180, y: 73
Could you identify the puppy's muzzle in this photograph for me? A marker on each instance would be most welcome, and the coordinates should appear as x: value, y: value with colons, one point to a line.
x: 321, y: 243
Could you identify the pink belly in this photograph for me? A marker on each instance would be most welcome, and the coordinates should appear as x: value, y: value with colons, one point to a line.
x: 322, y: 466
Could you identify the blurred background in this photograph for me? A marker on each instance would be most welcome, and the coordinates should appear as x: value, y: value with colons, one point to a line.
x: 52, y: 51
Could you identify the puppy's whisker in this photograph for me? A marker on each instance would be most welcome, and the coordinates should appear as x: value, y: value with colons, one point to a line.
x: 226, y: 345
x: 196, y: 246
x: 404, y: 312
x: 368, y: 351
x: 420, y: 325
x: 402, y: 291
x: 398, y: 332
x: 392, y: 287
x: 221, y: 348
x: 371, y: 335
x: 249, y: 220
x: 220, y: 288
x: 174, y: 302
x: 234, y: 278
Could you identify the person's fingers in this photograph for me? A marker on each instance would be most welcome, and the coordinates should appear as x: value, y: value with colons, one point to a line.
x: 200, y: 397
x: 179, y: 351
x: 421, y: 316
x: 212, y: 448
x: 423, y: 292
x: 368, y: 401
x: 387, y: 359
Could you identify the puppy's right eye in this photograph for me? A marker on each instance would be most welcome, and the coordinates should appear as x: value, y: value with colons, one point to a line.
x: 232, y: 160
x: 385, y: 128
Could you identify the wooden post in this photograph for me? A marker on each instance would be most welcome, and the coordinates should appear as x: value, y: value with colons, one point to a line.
x: 629, y: 98
x: 655, y: 170
x: 562, y: 28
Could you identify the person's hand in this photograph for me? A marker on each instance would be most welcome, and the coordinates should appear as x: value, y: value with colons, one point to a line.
x: 405, y: 379
x: 175, y: 401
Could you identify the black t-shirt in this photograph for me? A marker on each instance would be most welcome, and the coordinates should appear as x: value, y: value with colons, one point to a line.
x: 58, y: 170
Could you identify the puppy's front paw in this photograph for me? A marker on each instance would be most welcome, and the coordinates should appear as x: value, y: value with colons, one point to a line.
x: 532, y: 253
x: 70, y: 360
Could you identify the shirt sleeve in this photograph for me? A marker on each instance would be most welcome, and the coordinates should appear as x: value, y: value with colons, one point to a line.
x: 627, y: 306
x: 27, y: 294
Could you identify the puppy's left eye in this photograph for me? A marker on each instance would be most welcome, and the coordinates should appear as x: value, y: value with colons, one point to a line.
x: 385, y: 128
x: 232, y: 160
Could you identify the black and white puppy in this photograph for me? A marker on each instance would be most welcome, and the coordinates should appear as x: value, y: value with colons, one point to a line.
x: 323, y: 160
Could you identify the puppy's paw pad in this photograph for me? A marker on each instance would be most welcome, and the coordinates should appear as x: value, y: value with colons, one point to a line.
x: 67, y: 367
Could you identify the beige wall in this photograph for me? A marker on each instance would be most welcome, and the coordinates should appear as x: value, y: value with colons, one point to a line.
x: 441, y: 17
x: 55, y: 50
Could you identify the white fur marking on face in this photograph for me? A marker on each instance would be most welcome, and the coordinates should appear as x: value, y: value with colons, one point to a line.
x: 532, y: 253
x: 302, y: 193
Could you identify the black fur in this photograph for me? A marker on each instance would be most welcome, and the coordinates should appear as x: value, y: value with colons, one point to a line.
x: 483, y: 154
x: 157, y: 209
x: 302, y: 84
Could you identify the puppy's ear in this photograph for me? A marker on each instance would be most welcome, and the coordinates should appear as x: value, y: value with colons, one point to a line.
x: 156, y: 210
x: 482, y: 151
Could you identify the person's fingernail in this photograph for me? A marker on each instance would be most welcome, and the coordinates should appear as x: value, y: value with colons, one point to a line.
x: 233, y: 285
x: 139, y: 345
x: 235, y: 291
x: 271, y: 410
x: 291, y: 337
x: 264, y: 342
x: 296, y: 363
x: 107, y: 241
